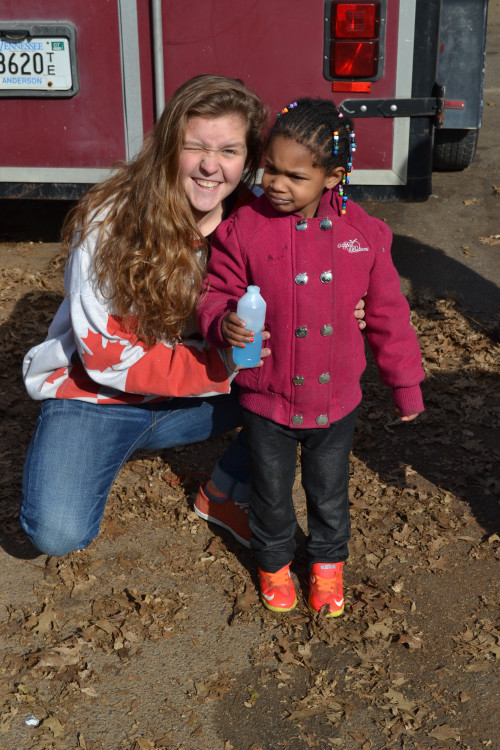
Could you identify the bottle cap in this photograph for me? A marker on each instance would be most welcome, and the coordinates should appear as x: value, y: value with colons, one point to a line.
x: 253, y: 289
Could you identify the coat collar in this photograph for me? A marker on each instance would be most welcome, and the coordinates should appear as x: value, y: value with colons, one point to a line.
x: 330, y: 204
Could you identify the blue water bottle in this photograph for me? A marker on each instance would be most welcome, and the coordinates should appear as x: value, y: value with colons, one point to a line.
x: 252, y: 309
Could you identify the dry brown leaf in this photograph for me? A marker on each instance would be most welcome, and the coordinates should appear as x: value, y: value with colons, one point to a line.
x: 357, y: 736
x: 54, y: 725
x: 90, y: 691
x: 245, y: 601
x: 383, y: 628
x: 493, y: 239
x: 400, y: 701
x: 142, y: 743
x: 253, y: 697
x: 410, y: 640
x: 445, y: 732
x: 46, y: 621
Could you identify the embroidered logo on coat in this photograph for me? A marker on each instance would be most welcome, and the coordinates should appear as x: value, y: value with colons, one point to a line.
x: 353, y: 246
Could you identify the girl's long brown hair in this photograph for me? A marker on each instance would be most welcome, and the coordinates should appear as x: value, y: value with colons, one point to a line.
x: 150, y: 259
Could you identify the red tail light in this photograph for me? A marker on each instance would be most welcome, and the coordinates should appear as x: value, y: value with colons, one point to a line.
x: 354, y: 20
x: 354, y: 60
x: 354, y: 40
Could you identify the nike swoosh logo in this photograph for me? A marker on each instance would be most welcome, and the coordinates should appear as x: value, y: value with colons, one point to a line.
x: 268, y: 597
x: 340, y: 603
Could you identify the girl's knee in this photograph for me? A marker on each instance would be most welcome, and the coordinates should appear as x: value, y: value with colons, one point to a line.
x: 54, y: 541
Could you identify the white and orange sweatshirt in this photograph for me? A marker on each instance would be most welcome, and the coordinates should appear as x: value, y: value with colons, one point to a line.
x: 90, y: 355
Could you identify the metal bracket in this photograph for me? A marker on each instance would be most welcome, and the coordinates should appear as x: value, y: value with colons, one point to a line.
x: 431, y: 106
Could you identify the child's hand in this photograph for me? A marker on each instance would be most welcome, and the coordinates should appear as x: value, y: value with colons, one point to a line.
x: 265, y: 352
x: 408, y: 418
x: 234, y: 331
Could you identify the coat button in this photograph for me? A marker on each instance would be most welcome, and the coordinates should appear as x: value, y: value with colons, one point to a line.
x: 301, y: 279
x: 297, y: 419
x: 324, y: 377
x: 301, y: 332
x: 326, y: 277
x: 301, y: 225
x: 325, y: 224
x: 326, y: 330
x: 322, y: 419
x: 298, y: 380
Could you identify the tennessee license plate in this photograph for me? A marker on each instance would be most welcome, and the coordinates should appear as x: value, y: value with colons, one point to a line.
x: 35, y: 64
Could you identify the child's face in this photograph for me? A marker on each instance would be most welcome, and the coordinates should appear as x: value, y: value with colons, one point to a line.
x: 291, y: 182
x: 212, y: 160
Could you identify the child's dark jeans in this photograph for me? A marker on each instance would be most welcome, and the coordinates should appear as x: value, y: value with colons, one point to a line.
x: 325, y: 478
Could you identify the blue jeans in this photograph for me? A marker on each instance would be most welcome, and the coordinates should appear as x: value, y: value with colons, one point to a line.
x: 78, y: 448
x: 325, y: 477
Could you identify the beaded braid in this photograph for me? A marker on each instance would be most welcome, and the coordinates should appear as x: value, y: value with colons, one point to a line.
x: 320, y: 127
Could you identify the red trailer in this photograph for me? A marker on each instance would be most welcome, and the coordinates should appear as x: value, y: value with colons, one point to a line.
x: 82, y: 82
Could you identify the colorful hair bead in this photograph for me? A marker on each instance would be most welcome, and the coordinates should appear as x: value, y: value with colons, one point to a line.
x: 335, y: 142
x: 343, y: 194
x: 287, y: 109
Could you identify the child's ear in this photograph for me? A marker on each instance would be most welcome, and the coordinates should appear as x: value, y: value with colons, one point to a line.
x: 334, y: 177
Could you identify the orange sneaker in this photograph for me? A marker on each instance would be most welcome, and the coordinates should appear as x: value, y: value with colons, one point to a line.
x: 325, y: 588
x: 277, y: 590
x: 216, y: 507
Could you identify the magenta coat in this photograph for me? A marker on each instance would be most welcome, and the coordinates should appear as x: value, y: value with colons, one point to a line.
x: 312, y: 273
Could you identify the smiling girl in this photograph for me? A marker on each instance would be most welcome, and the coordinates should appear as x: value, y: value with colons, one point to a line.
x: 123, y: 367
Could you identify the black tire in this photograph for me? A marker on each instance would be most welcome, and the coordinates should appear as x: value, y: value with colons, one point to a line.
x: 454, y: 149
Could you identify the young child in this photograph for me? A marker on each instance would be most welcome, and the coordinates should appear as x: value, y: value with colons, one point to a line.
x: 313, y: 254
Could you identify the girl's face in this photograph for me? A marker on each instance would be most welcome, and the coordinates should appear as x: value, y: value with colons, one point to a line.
x: 213, y: 157
x: 291, y: 182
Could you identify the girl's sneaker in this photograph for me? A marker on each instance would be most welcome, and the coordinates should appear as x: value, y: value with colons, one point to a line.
x: 214, y: 506
x: 277, y: 590
x: 325, y: 588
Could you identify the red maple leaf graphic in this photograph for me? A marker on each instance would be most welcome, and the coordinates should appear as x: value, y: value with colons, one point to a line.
x: 100, y: 357
x: 57, y: 374
x: 126, y: 330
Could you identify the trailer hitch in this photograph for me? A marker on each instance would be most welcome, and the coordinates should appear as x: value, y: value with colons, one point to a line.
x: 431, y: 106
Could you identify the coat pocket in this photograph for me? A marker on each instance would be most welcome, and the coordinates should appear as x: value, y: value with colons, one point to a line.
x: 253, y: 378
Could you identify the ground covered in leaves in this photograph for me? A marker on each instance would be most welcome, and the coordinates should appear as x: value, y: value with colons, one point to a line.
x: 154, y: 637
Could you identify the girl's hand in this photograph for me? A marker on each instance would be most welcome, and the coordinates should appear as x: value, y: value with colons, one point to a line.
x: 359, y: 314
x: 234, y: 331
x: 265, y: 352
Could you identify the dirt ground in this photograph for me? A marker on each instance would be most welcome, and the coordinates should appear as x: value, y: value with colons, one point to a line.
x: 154, y: 637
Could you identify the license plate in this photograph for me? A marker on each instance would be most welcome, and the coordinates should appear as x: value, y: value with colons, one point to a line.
x: 35, y: 64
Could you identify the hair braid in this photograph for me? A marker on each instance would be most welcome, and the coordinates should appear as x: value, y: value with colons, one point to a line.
x: 312, y: 123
